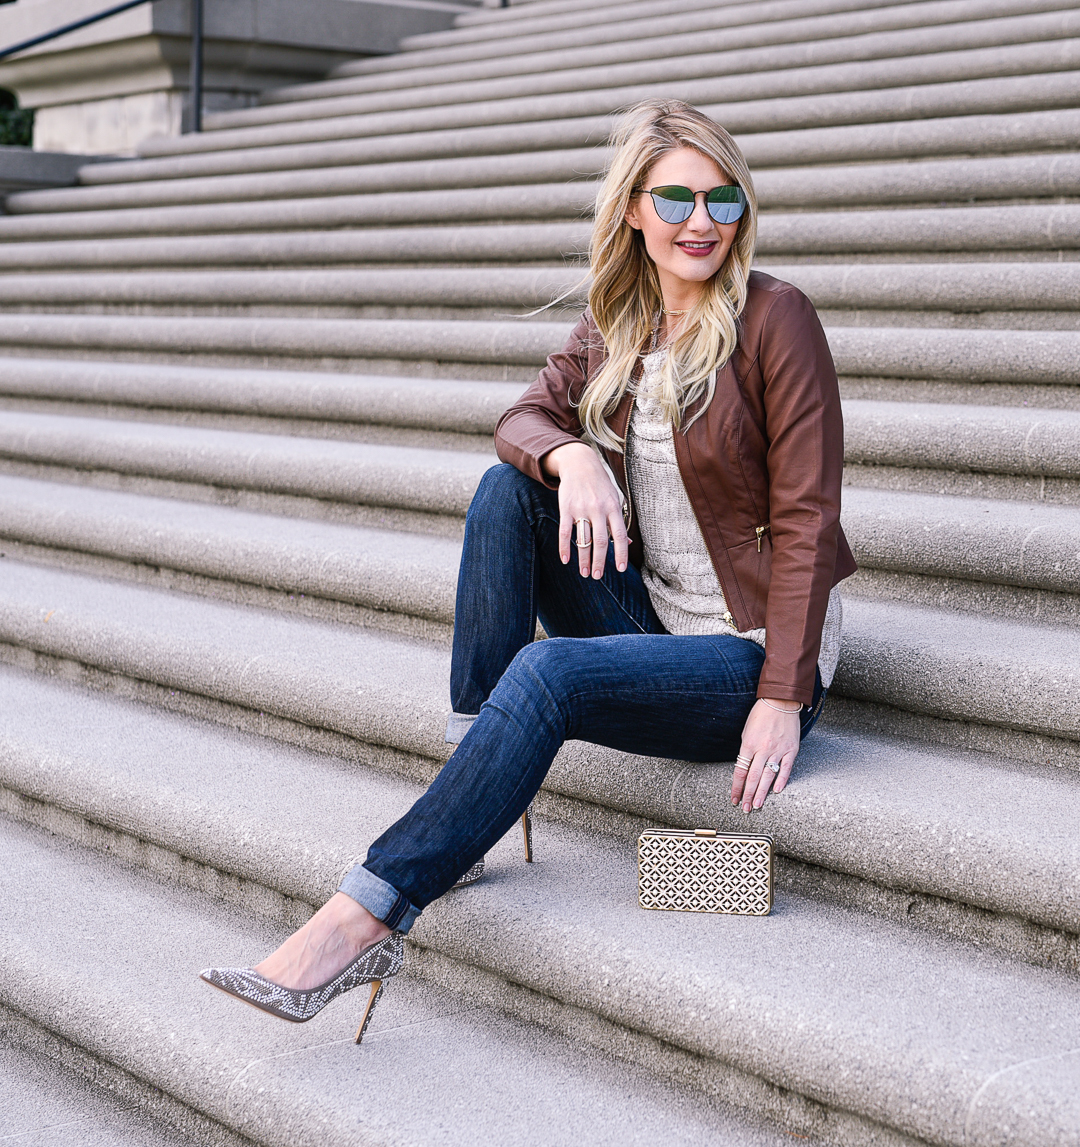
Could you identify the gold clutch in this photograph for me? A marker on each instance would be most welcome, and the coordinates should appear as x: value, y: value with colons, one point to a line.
x: 700, y: 870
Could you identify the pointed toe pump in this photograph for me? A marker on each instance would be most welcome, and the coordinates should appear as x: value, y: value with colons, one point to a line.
x: 472, y: 875
x: 372, y: 967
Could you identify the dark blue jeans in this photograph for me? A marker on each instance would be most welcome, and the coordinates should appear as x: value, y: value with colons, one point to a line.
x: 609, y: 674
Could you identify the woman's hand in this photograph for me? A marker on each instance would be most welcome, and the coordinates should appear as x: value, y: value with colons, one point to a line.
x: 586, y: 492
x: 768, y: 736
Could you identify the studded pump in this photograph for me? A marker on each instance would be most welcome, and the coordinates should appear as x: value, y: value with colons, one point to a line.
x: 372, y: 967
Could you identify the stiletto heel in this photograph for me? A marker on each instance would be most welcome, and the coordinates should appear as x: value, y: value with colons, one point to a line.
x: 369, y: 1011
x: 526, y: 828
x: 373, y: 966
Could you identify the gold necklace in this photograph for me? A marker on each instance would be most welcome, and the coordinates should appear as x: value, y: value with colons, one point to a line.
x: 686, y: 312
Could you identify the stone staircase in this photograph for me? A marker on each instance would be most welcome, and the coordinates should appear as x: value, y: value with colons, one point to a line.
x: 248, y: 383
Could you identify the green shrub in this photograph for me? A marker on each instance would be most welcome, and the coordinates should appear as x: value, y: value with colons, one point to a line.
x: 16, y: 124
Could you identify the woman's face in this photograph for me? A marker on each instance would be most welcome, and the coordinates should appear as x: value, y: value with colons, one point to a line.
x: 686, y: 254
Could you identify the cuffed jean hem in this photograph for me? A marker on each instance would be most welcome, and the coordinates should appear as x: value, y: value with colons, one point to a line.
x: 457, y: 725
x: 382, y: 900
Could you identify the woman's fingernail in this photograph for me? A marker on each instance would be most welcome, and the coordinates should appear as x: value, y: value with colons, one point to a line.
x: 746, y: 808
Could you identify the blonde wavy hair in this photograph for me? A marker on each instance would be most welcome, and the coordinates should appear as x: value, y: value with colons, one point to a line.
x: 625, y: 295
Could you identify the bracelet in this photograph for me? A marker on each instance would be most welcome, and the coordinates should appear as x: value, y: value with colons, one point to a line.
x: 790, y: 712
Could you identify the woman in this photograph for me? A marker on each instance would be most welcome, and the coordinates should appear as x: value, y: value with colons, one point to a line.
x: 689, y: 434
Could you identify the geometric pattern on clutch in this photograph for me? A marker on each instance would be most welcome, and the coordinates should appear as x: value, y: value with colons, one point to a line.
x: 723, y: 872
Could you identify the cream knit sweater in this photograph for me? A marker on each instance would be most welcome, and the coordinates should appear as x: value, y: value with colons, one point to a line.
x: 678, y: 572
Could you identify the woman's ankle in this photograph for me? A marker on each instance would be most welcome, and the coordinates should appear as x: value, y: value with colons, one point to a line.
x: 350, y: 917
x: 330, y: 940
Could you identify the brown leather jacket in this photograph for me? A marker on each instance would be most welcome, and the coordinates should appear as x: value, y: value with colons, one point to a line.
x: 762, y: 468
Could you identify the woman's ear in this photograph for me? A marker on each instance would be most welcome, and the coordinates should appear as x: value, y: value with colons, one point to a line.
x: 631, y: 215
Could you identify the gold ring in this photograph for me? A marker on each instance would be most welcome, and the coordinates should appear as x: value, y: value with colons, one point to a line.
x: 581, y: 523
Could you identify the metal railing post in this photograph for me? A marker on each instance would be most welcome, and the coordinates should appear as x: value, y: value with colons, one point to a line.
x: 196, y: 64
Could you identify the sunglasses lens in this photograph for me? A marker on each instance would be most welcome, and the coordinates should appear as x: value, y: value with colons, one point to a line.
x: 673, y: 204
x: 726, y: 204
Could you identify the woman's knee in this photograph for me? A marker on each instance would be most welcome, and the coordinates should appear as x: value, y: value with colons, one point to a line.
x: 499, y: 483
x: 544, y: 668
x: 507, y: 498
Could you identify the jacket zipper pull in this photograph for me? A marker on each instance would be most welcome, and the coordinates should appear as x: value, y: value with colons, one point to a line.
x: 729, y: 619
x: 760, y: 530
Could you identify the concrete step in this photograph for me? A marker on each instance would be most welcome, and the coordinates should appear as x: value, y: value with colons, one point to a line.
x: 431, y: 246
x: 1032, y: 177
x: 901, y: 139
x: 513, y: 350
x: 475, y: 171
x: 1015, y: 231
x: 962, y: 450
x: 627, y: 40
x: 48, y: 1106
x: 548, y: 15
x: 318, y: 399
x: 605, y: 24
x: 242, y: 1078
x: 474, y: 28
x: 551, y: 201
x: 1026, y: 77
x: 1019, y: 230
x: 408, y: 478
x: 957, y: 289
x: 1018, y: 560
x: 229, y: 553
x: 450, y: 348
x: 491, y: 290
x: 667, y: 60
x: 985, y: 850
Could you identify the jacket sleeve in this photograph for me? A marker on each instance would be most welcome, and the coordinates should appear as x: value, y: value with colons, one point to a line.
x: 545, y: 415
x: 805, y: 458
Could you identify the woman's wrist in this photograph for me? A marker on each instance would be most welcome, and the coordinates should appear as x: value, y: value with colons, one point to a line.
x: 552, y: 462
x: 781, y: 706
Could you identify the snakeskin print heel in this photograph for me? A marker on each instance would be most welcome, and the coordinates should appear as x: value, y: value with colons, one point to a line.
x: 477, y: 870
x: 526, y: 828
x: 373, y: 966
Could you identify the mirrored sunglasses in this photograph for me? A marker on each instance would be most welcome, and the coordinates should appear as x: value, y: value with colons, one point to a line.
x: 675, y: 204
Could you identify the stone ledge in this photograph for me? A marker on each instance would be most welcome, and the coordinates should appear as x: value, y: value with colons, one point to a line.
x: 22, y: 169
